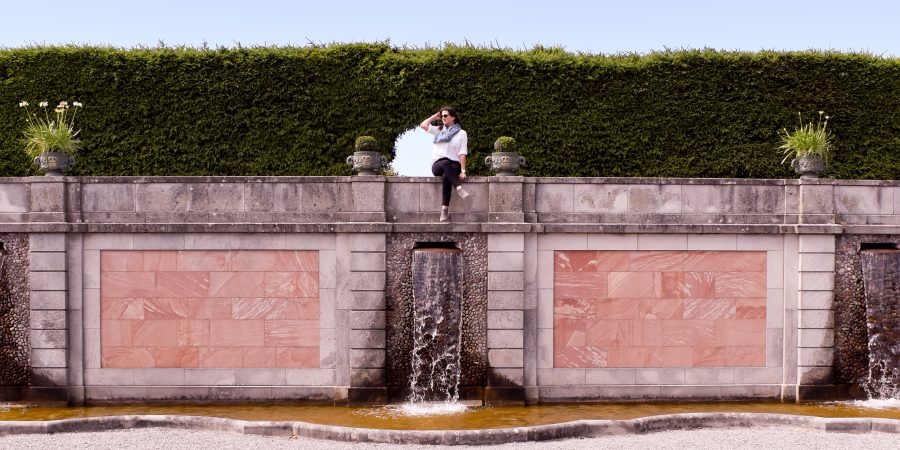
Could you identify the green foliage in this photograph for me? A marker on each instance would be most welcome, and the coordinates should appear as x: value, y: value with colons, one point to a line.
x: 298, y: 111
x: 366, y: 144
x: 505, y: 144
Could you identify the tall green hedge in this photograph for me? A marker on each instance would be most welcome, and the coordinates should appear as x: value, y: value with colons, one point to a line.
x: 297, y: 111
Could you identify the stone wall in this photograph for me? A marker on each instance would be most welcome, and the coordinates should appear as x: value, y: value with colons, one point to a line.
x: 15, y: 354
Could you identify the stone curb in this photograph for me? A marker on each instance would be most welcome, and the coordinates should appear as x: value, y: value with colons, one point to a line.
x: 568, y: 430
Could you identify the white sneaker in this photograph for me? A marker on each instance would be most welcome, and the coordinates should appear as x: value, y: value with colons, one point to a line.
x: 462, y: 192
x: 445, y: 214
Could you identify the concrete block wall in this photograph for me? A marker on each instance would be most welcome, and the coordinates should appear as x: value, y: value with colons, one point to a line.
x: 49, y: 315
x: 366, y: 318
x: 506, y: 318
x: 815, y: 313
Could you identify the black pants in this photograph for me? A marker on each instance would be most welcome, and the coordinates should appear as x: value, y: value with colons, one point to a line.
x: 449, y: 171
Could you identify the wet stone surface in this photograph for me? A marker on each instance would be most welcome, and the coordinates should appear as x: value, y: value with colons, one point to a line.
x: 14, y: 321
x: 399, y: 296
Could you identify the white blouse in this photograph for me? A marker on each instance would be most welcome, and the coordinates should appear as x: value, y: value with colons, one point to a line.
x: 456, y: 146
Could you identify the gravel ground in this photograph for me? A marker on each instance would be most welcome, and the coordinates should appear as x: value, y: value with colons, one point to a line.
x: 734, y: 438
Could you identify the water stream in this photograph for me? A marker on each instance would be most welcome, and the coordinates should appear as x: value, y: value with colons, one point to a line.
x: 881, y: 277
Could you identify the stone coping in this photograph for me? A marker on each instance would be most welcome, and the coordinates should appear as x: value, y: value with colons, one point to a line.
x: 492, y: 436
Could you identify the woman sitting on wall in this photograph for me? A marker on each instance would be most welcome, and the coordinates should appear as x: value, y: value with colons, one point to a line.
x: 448, y: 156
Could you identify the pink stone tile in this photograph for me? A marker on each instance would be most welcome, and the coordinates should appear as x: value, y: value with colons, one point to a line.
x: 204, y: 261
x: 171, y: 357
x: 221, y: 357
x: 659, y: 309
x: 160, y: 260
x: 575, y: 261
x: 236, y: 284
x: 291, y: 284
x: 253, y: 260
x: 633, y: 357
x: 125, y: 357
x: 688, y: 284
x: 708, y: 357
x: 166, y: 308
x: 569, y: 332
x: 725, y: 261
x: 644, y: 261
x: 579, y: 285
x: 745, y: 356
x: 153, y: 333
x: 121, y: 308
x: 613, y: 261
x: 616, y: 308
x: 233, y: 333
x: 740, y: 284
x: 192, y: 333
x: 297, y: 261
x: 182, y: 284
x: 209, y: 308
x: 121, y: 261
x: 259, y: 308
x: 580, y: 357
x: 688, y: 333
x: 127, y: 284
x: 709, y: 308
x: 297, y: 357
x: 115, y: 333
x: 647, y: 333
x: 301, y: 309
x: 291, y: 333
x: 607, y: 333
x: 743, y: 332
x: 258, y: 357
x: 574, y: 307
x: 672, y: 356
x: 750, y: 308
x: 633, y: 285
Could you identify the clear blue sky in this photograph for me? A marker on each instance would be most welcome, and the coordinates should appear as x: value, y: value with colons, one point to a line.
x: 576, y: 25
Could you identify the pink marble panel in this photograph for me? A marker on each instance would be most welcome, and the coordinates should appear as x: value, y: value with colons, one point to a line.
x: 291, y: 284
x: 616, y: 308
x: 634, y: 285
x: 192, y: 333
x: 160, y: 260
x: 688, y: 284
x: 608, y: 333
x: 743, y: 332
x: 579, y: 285
x: 221, y: 357
x: 291, y: 333
x: 253, y: 261
x: 182, y: 284
x: 644, y: 261
x: 725, y: 261
x: 166, y: 308
x: 233, y: 333
x: 115, y: 333
x: 740, y: 284
x: 153, y: 333
x: 581, y: 357
x: 236, y: 284
x: 673, y: 356
x: 569, y: 332
x: 121, y: 261
x: 660, y: 309
x: 301, y: 308
x: 750, y: 308
x: 634, y: 357
x: 121, y: 308
x: 126, y: 357
x: 127, y: 284
x: 574, y: 307
x: 708, y: 357
x: 647, y: 333
x: 296, y: 261
x: 613, y: 261
x: 297, y: 357
x: 258, y: 357
x: 709, y: 308
x: 745, y: 356
x: 259, y: 308
x: 204, y: 261
x: 575, y: 261
x: 688, y: 333
x: 209, y: 308
x: 170, y: 357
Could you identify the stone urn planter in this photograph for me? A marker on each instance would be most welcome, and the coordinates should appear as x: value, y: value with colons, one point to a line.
x: 366, y: 160
x: 504, y: 161
x: 54, y: 163
x: 809, y: 166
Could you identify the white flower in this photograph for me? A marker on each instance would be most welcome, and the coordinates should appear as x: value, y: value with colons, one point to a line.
x: 23, y: 103
x: 821, y: 112
x: 42, y: 104
x: 77, y: 104
x: 59, y: 109
x: 63, y: 104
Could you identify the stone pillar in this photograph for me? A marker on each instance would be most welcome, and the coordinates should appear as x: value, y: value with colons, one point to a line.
x: 368, y: 199
x: 366, y: 319
x: 505, y: 202
x: 49, y: 340
x: 816, y: 318
x: 506, y: 319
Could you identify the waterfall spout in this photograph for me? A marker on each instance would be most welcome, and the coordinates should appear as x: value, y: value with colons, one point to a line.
x: 881, y: 277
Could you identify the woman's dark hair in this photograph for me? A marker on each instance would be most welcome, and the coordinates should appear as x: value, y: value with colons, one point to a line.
x: 453, y: 113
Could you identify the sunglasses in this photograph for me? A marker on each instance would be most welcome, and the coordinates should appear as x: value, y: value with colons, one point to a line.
x: 444, y: 115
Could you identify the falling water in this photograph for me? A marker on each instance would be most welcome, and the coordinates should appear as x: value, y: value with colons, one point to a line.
x: 437, y: 299
x: 881, y: 277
